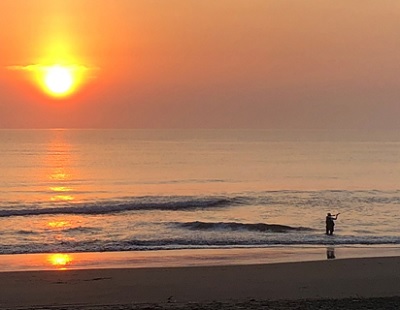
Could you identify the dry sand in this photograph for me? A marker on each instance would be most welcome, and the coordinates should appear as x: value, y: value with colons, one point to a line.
x: 245, y: 286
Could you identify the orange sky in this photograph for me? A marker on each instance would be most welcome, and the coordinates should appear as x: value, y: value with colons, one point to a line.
x: 225, y: 63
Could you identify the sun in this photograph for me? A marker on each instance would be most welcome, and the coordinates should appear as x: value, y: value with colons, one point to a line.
x: 58, y: 80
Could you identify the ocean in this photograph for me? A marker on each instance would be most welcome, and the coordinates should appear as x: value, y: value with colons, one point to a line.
x: 65, y: 191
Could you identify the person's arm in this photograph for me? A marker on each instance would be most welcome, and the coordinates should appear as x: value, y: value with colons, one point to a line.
x: 336, y: 216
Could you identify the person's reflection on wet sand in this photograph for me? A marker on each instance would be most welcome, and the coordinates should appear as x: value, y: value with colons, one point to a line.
x: 330, y: 253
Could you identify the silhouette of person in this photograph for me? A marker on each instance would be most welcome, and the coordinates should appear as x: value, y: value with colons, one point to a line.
x: 330, y: 223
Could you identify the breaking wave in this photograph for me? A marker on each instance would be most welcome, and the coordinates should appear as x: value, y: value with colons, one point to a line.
x: 258, y: 227
x: 174, y: 203
x: 186, y: 243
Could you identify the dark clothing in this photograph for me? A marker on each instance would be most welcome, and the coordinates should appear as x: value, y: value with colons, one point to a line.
x: 330, y: 225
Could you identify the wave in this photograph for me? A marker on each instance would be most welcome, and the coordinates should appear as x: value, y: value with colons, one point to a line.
x: 81, y: 229
x: 337, y: 198
x: 168, y: 203
x: 258, y: 227
x: 187, y: 243
x: 26, y: 232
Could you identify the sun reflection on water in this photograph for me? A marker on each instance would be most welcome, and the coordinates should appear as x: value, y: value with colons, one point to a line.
x: 60, y: 189
x: 59, y: 174
x: 62, y: 198
x: 59, y: 160
x: 59, y: 224
x: 60, y: 261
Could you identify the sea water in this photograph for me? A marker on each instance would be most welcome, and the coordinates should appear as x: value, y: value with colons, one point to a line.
x: 141, y: 190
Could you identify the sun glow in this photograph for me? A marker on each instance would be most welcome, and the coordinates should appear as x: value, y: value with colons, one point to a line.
x: 59, y: 80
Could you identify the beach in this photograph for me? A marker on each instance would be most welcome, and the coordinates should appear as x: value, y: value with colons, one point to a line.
x: 198, y: 219
x: 199, y: 155
x: 365, y: 280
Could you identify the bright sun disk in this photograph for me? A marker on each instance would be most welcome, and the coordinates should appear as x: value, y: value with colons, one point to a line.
x: 58, y: 80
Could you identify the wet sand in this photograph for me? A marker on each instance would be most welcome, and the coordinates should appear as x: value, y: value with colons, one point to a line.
x: 287, y: 285
x: 186, y: 258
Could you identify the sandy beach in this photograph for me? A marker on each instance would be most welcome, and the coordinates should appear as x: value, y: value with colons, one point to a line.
x: 211, y: 286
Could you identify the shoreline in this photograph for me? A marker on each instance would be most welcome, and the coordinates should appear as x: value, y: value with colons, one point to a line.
x: 233, y: 284
x: 188, y: 258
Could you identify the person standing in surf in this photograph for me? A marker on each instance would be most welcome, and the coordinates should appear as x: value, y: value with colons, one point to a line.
x: 330, y: 223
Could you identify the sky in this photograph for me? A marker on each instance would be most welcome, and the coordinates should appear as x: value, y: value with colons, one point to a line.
x: 273, y: 64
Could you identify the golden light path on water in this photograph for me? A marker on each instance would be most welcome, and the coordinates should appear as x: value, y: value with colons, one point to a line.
x: 60, y: 176
x: 59, y: 161
x: 60, y: 260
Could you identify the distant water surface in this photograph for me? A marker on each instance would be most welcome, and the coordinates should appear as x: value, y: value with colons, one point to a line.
x: 120, y: 190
